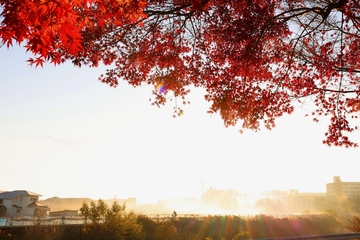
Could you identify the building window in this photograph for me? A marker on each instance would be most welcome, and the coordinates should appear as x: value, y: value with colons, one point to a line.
x: 33, y: 199
x: 1, y: 201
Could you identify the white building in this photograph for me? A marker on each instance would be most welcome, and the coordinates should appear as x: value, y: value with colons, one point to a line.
x: 339, y: 189
x: 22, y: 203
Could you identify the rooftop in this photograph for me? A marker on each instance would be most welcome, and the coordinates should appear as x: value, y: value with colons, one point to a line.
x: 16, y: 193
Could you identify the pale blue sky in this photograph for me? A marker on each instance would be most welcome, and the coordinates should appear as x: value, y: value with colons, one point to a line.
x: 63, y: 133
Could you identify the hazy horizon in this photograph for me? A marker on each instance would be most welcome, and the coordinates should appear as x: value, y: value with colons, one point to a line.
x: 184, y: 197
x: 63, y: 133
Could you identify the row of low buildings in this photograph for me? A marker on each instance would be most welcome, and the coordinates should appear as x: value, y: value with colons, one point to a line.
x: 292, y: 201
x: 336, y: 192
x: 22, y: 202
x: 26, y: 203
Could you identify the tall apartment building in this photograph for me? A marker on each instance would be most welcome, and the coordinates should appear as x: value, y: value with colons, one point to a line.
x: 338, y: 189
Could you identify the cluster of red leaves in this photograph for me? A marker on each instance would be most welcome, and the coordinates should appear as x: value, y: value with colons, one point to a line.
x: 255, y: 58
x: 53, y: 29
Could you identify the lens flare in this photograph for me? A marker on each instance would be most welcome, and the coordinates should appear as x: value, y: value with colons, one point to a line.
x: 160, y: 87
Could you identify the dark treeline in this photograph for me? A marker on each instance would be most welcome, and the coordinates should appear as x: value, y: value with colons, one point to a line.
x: 211, y: 227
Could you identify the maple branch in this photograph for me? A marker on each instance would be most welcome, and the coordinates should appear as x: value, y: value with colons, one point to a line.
x: 292, y: 55
x: 301, y: 12
x: 346, y: 69
x: 355, y: 22
x: 325, y: 12
x: 175, y: 9
x: 167, y: 12
x: 194, y: 42
x: 336, y: 91
x: 341, y: 30
x: 342, y: 64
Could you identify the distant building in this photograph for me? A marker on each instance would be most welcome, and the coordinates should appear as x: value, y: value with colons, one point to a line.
x: 22, y: 203
x: 340, y: 190
x: 295, y: 202
x: 60, y: 204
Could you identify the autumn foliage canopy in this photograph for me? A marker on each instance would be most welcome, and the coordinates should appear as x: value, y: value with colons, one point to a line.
x: 255, y: 58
